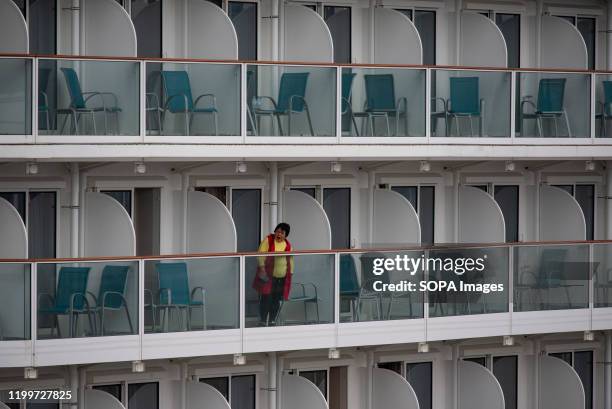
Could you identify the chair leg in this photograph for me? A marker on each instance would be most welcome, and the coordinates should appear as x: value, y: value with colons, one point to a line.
x: 471, y: 126
x: 280, y: 124
x: 216, y: 121
x: 567, y: 124
x: 187, y: 121
x: 309, y: 121
x: 354, y: 124
x: 253, y: 125
x: 388, y: 125
x: 93, y: 121
x: 556, y: 127
x: 539, y: 124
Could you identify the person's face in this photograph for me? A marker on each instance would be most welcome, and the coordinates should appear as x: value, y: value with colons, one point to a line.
x: 279, y: 235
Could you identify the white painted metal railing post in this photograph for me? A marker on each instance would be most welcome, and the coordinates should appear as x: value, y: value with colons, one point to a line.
x: 338, y: 104
x: 513, y: 99
x: 511, y: 287
x: 244, y: 104
x: 142, y: 126
x: 593, y: 103
x: 34, y: 309
x: 591, y: 286
x: 336, y: 297
x: 141, y: 297
x: 34, y: 106
x: 242, y: 301
x: 428, y: 86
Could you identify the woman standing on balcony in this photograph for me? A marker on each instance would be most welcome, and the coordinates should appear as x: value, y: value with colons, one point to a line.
x: 273, y: 278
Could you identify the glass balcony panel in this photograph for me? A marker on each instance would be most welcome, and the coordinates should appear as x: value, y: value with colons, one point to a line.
x: 603, y: 105
x: 383, y: 102
x: 200, y: 99
x: 548, y: 277
x: 483, y: 290
x: 192, y: 294
x: 291, y: 100
x: 366, y: 292
x: 88, y: 97
x: 15, y: 96
x: 87, y: 299
x: 272, y: 301
x: 15, y: 296
x: 602, y: 275
x: 553, y: 105
x: 470, y: 103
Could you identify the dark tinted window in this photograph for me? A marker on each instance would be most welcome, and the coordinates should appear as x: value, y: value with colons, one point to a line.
x: 319, y: 378
x: 419, y: 375
x: 510, y: 26
x: 147, y: 18
x: 338, y: 20
x: 220, y: 383
x: 143, y: 395
x: 114, y: 390
x: 583, y: 364
x: 425, y: 22
x: 392, y: 366
x: 337, y: 205
x: 18, y: 200
x: 585, y: 196
x: 124, y: 197
x: 246, y: 211
x: 505, y: 369
x: 243, y: 392
x: 507, y: 197
x: 244, y: 18
x: 586, y: 26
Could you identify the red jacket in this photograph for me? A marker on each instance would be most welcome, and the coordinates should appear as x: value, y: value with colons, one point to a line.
x: 265, y: 287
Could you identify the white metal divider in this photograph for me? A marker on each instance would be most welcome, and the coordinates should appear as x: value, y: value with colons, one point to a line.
x: 141, y: 294
x: 428, y: 85
x: 592, y: 99
x: 510, y: 286
x: 34, y: 106
x: 426, y: 295
x: 143, y: 102
x: 591, y: 286
x: 338, y: 104
x: 244, y: 103
x: 33, y: 309
x: 337, y: 273
x: 242, y: 301
x: 513, y: 104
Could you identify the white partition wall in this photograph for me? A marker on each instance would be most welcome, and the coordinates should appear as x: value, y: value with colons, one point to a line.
x: 310, y: 229
x: 480, y: 218
x: 14, y: 238
x: 482, y: 43
x: 478, y: 387
x: 201, y: 395
x: 13, y: 29
x: 395, y: 222
x: 210, y: 227
x: 107, y: 229
x: 396, y: 39
x: 561, y: 217
x: 573, y: 54
x: 391, y: 390
x: 210, y: 32
x: 107, y: 29
x: 306, y: 36
x: 95, y: 399
x: 298, y: 392
x: 560, y: 386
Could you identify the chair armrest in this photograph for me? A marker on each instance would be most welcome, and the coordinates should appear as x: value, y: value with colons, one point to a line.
x: 444, y: 103
x: 151, y: 300
x: 112, y: 94
x: 293, y: 98
x: 200, y: 290
x: 527, y: 101
x: 91, y: 95
x: 302, y: 288
x: 153, y: 99
x: 47, y: 296
x: 45, y: 98
x: 171, y: 97
x: 349, y: 107
x: 314, y: 288
x: 169, y: 294
x: 93, y: 296
x: 401, y: 100
x: 256, y: 104
x: 74, y: 297
x: 211, y: 96
x: 115, y: 293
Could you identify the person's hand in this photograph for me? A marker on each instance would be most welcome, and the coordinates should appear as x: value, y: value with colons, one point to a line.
x: 261, y: 273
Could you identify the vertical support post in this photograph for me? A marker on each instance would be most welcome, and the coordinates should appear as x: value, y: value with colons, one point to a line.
x: 184, y: 385
x: 371, y: 187
x: 428, y: 87
x: 536, y: 367
x: 75, y: 187
x: 34, y: 309
x: 141, y: 296
x: 513, y: 97
x: 539, y: 13
x: 34, y: 105
x: 458, y: 7
x: 76, y: 27
x: 143, y: 102
x: 608, y: 371
x: 272, y: 384
x: 185, y: 196
x: 370, y: 378
x: 591, y: 286
x: 74, y: 386
x: 82, y: 382
x: 339, y: 104
x: 244, y: 104
x: 336, y: 297
x: 592, y: 101
x: 456, y: 380
x: 273, y: 195
x: 242, y: 301
x: 456, y: 206
x: 511, y: 288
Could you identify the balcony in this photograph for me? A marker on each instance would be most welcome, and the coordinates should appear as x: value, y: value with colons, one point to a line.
x: 91, y: 100
x: 61, y: 312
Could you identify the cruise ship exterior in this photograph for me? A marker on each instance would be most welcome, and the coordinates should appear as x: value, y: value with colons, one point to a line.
x: 445, y: 167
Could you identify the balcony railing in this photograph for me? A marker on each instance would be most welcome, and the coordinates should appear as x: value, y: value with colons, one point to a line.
x: 96, y: 100
x: 340, y: 295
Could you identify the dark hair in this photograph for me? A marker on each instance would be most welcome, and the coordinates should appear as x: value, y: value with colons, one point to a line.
x: 284, y: 227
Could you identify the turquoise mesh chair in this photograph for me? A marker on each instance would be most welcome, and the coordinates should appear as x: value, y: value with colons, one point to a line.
x: 70, y: 299
x: 43, y: 98
x: 111, y: 294
x: 550, y: 106
x: 605, y: 107
x: 291, y: 101
x: 348, y: 117
x: 381, y: 102
x: 82, y: 103
x: 175, y: 294
x: 179, y: 99
x: 465, y: 102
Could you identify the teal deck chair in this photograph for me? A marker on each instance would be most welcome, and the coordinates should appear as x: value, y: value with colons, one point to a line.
x: 605, y: 107
x: 70, y: 299
x: 465, y: 102
x: 349, y: 284
x: 43, y: 98
x: 348, y: 116
x: 381, y: 102
x: 175, y: 294
x: 81, y: 103
x: 291, y: 101
x: 179, y: 100
x: 111, y: 295
x: 551, y: 92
